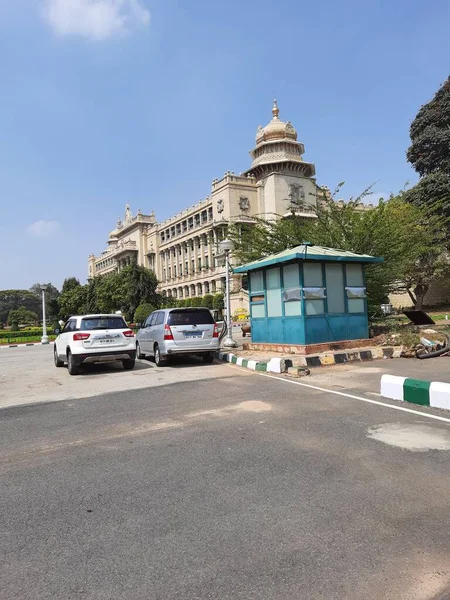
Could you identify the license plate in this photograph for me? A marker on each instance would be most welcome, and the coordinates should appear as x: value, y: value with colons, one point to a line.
x: 192, y: 334
x: 107, y: 339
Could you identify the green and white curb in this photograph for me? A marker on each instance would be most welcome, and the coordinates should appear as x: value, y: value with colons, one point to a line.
x: 281, y: 365
x: 426, y: 393
x: 275, y: 365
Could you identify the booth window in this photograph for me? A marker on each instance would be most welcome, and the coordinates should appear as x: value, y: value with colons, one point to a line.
x: 273, y: 284
x: 292, y: 295
x: 256, y: 281
x: 356, y: 297
x: 335, y: 288
x: 355, y: 276
x: 355, y: 290
x: 313, y: 290
x: 257, y: 298
x: 258, y: 311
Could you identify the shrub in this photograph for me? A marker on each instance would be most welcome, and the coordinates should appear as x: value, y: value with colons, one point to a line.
x: 142, y: 312
x: 218, y: 302
x: 208, y: 301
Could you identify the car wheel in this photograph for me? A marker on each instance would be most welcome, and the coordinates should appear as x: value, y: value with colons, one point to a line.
x: 71, y: 366
x: 138, y: 351
x: 208, y: 358
x: 159, y: 361
x: 128, y: 364
x: 58, y: 363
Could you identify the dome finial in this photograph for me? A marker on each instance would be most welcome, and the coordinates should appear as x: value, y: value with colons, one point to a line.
x: 275, y: 109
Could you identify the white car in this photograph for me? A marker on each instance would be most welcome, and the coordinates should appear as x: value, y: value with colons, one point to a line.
x: 95, y: 339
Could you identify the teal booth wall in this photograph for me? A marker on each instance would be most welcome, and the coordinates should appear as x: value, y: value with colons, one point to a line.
x: 303, y: 302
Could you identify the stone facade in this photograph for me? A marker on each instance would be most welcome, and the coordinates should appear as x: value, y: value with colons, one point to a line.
x: 183, y: 251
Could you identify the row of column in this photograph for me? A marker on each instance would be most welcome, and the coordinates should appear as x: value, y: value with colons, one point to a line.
x: 199, y: 247
x: 197, y: 289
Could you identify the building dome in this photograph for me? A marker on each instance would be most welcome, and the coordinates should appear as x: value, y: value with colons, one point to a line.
x: 276, y: 129
x: 277, y: 149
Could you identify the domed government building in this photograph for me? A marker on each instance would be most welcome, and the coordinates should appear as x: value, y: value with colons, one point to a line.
x: 183, y: 251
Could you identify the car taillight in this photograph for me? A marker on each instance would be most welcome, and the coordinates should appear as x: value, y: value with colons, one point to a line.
x: 216, y: 331
x: 128, y: 333
x: 167, y: 333
x: 79, y: 337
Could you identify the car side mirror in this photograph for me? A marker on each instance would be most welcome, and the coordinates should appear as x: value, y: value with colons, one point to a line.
x: 57, y: 331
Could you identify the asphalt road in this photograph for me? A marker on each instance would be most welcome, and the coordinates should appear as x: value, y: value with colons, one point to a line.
x: 234, y: 486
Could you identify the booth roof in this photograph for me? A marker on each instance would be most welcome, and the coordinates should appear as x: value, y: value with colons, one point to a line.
x: 307, y: 252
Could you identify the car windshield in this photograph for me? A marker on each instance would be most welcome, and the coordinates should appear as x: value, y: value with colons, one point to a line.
x: 92, y: 323
x: 190, y: 317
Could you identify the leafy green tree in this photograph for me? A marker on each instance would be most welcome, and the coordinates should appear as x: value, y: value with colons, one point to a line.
x: 142, y: 312
x: 197, y: 301
x: 12, y: 299
x: 124, y: 290
x: 405, y: 235
x: 51, y: 299
x: 70, y: 283
x: 188, y: 302
x: 429, y: 152
x: 72, y: 301
x: 22, y: 316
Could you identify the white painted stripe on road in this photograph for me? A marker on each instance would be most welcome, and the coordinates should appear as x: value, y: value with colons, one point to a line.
x: 360, y: 398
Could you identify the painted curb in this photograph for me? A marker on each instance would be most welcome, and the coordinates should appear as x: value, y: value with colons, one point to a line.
x: 281, y: 365
x: 25, y: 345
x: 425, y: 393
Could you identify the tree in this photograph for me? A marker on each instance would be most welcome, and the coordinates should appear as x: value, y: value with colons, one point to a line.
x: 51, y: 299
x: 429, y: 152
x: 142, y: 312
x: 124, y: 290
x: 12, y: 299
x: 405, y: 235
x: 70, y: 283
x: 72, y: 301
x: 22, y: 316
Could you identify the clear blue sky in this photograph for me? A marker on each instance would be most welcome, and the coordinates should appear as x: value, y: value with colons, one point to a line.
x: 105, y: 102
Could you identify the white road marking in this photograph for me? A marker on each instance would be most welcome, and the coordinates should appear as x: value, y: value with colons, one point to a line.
x: 360, y: 398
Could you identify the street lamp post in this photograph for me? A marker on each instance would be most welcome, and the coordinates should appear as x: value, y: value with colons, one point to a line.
x: 226, y: 246
x: 44, y: 338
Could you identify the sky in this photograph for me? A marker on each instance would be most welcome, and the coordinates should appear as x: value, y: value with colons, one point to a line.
x: 107, y: 102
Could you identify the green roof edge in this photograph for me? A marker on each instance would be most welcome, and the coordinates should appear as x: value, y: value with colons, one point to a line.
x: 276, y: 259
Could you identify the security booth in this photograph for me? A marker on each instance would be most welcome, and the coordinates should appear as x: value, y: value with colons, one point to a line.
x: 308, y: 295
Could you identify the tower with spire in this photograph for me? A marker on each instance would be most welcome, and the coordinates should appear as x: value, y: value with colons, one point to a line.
x: 283, y: 176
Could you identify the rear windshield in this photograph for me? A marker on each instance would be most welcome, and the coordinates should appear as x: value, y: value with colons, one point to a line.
x: 102, y: 323
x: 199, y: 316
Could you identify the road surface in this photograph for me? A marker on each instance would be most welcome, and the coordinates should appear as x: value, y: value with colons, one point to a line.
x: 227, y: 485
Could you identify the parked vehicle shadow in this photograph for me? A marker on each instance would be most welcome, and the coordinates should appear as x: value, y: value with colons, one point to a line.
x: 115, y: 367
x: 179, y: 362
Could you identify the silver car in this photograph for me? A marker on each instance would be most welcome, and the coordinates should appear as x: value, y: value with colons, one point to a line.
x: 175, y: 331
